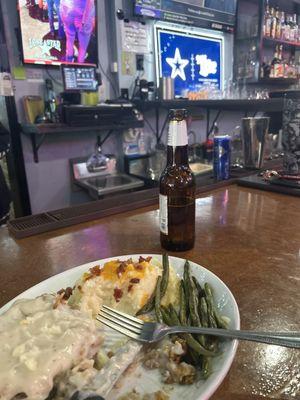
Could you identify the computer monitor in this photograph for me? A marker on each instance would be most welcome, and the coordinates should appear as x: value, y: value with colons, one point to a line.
x: 79, y: 78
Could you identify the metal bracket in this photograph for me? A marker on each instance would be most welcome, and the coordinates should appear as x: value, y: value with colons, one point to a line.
x: 106, y: 137
x: 163, y: 128
x: 36, y: 145
x: 209, y: 128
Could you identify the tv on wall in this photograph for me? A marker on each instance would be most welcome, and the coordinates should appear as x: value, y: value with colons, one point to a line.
x: 191, y: 58
x: 58, y: 31
x: 210, y: 14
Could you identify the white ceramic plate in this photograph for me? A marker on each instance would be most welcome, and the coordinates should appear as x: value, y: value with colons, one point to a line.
x: 149, y: 381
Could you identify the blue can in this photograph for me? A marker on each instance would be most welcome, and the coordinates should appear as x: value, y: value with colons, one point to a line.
x: 222, y: 150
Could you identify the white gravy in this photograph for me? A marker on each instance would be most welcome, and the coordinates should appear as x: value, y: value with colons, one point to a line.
x: 38, y: 342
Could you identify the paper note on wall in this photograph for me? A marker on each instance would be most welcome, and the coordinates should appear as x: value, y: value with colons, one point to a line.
x: 134, y: 37
x: 6, y: 88
x: 128, y: 67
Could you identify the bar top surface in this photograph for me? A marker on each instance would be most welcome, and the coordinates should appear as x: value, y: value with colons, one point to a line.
x: 249, y: 238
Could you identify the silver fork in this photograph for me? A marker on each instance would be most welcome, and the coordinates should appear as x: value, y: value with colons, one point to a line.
x: 149, y: 332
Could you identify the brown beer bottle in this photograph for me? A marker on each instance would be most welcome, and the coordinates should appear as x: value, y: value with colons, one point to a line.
x: 177, y: 189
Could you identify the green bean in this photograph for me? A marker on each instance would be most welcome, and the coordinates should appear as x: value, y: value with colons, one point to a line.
x: 206, y: 367
x: 213, y: 312
x: 212, y: 323
x: 193, y: 304
x: 203, y: 312
x: 165, y: 275
x: 158, y: 312
x: 173, y: 321
x: 173, y: 315
x: 149, y: 306
x: 165, y: 316
x: 183, y: 306
x: 186, y: 278
x: 191, y: 342
x: 201, y: 292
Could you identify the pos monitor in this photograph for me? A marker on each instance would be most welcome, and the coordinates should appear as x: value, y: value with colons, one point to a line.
x: 79, y: 78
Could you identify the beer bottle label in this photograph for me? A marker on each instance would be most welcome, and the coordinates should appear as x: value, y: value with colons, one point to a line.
x: 177, y: 135
x: 163, y: 214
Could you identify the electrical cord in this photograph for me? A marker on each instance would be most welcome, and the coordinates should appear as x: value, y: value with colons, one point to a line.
x: 136, y: 80
x: 109, y: 79
x: 53, y: 79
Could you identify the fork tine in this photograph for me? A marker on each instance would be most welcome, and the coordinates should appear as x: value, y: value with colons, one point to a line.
x: 115, y: 321
x: 117, y: 328
x: 121, y: 314
x: 124, y: 320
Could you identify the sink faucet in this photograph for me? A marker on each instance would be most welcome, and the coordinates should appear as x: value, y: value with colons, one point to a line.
x: 192, y: 133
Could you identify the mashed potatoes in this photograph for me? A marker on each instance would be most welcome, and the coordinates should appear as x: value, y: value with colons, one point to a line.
x: 123, y: 285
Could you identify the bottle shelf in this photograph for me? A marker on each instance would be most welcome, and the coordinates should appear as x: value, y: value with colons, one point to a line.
x: 278, y: 81
x: 280, y: 41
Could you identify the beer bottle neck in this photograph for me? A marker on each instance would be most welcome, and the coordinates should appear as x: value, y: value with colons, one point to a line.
x: 177, y: 155
x: 177, y: 151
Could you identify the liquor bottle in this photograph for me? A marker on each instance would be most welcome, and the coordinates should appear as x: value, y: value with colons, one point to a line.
x: 265, y: 69
x: 278, y: 24
x: 273, y: 23
x: 177, y: 189
x: 292, y: 29
x: 267, y: 21
x: 274, y: 64
x: 287, y: 28
x: 295, y: 33
x: 281, y: 63
x: 292, y: 69
x: 283, y: 25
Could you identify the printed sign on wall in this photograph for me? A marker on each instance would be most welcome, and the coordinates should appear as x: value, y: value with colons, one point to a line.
x: 191, y: 60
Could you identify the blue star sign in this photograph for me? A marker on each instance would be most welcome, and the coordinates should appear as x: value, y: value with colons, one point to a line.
x: 177, y: 64
x: 190, y: 59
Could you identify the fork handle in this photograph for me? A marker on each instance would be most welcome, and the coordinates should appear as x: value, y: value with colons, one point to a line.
x: 286, y: 339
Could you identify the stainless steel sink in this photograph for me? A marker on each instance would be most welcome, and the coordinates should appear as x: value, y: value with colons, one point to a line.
x: 101, y: 185
x: 200, y: 168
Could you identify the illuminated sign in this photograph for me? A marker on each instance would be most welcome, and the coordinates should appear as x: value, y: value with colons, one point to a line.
x: 192, y: 60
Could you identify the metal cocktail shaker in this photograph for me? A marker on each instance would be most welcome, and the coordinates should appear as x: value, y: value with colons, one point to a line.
x: 166, y: 88
x: 254, y: 135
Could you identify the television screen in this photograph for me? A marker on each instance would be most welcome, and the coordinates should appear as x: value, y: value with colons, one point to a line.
x: 212, y: 14
x: 58, y: 31
x: 192, y: 60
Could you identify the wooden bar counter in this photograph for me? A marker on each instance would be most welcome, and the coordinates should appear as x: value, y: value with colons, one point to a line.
x: 249, y: 238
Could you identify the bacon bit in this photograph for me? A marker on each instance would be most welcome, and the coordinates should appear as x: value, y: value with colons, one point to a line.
x: 68, y: 293
x: 138, y: 267
x: 121, y: 269
x: 134, y: 280
x: 110, y: 354
x: 80, y: 288
x: 96, y: 270
x: 64, y: 294
x: 118, y: 293
x: 130, y: 288
x: 147, y: 259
